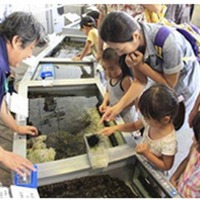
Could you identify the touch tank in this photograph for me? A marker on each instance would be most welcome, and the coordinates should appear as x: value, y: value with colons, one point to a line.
x: 59, y: 54
x: 65, y: 115
x: 65, y: 69
x: 57, y: 112
x: 65, y: 110
x: 68, y: 47
x: 63, y: 45
x: 128, y: 178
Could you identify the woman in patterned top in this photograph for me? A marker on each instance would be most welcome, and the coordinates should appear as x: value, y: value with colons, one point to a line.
x: 186, y: 177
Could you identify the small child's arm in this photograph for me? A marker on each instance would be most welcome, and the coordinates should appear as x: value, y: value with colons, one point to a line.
x: 163, y: 163
x: 84, y: 52
x: 175, y: 177
x: 194, y: 110
x: 103, y: 106
x: 180, y: 169
x: 127, y: 127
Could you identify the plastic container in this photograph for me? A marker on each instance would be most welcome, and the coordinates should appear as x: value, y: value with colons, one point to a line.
x: 47, y: 71
x: 27, y: 181
x: 97, y: 150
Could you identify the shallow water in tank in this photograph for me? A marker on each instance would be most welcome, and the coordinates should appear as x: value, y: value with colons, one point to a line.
x: 68, y: 48
x: 65, y: 119
x: 60, y: 113
x: 65, y: 114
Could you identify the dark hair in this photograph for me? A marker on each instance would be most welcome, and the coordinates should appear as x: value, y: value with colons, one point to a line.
x: 87, y: 21
x: 196, y: 129
x: 118, y: 27
x: 94, y: 14
x: 110, y: 54
x: 125, y: 69
x: 26, y: 27
x: 159, y: 101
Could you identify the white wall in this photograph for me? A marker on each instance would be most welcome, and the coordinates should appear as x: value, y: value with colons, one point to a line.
x: 46, y: 13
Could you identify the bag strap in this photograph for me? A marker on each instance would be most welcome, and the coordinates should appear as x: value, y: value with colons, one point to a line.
x: 193, y: 39
x: 160, y: 38
x: 164, y: 32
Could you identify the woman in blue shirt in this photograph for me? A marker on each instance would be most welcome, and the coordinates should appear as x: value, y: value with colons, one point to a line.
x: 20, y: 33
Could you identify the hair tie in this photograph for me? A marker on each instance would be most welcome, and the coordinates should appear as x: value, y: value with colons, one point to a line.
x: 180, y: 98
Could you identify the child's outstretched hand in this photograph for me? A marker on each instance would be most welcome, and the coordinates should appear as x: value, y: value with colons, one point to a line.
x: 110, y: 113
x: 102, y: 108
x: 77, y: 57
x: 142, y: 148
x: 29, y: 130
x: 108, y: 130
